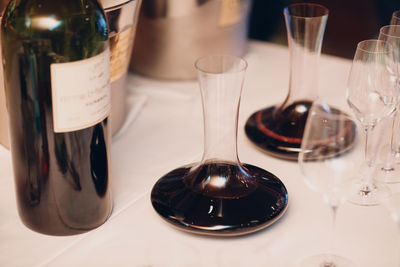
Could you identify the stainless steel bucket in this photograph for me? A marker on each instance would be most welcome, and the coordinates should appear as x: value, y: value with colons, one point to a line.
x: 122, y: 18
x: 172, y: 34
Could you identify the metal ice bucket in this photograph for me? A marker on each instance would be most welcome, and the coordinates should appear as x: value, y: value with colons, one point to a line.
x: 172, y: 34
x: 122, y: 18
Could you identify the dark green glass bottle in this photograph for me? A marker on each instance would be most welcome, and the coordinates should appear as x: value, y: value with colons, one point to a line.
x: 56, y: 71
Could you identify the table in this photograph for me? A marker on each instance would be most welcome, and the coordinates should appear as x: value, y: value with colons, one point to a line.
x: 167, y: 132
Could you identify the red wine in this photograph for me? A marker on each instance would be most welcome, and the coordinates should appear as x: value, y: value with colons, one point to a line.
x: 279, y: 131
x: 220, y: 198
x: 61, y: 167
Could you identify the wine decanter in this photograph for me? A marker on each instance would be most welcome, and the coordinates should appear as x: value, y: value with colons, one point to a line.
x: 278, y: 130
x: 220, y: 195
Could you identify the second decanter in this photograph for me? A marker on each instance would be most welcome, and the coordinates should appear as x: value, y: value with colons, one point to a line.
x: 278, y: 130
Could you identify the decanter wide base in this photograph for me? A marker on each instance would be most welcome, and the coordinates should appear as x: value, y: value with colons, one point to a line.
x: 279, y: 132
x: 176, y: 200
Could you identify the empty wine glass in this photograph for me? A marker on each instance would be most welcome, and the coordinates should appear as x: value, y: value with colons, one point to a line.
x: 391, y: 35
x: 329, y: 163
x: 372, y: 96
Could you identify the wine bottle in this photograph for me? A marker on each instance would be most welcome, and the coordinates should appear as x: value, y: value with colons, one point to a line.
x: 57, y: 81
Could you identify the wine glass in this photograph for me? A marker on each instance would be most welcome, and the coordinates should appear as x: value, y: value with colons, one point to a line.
x: 391, y: 35
x: 372, y: 96
x: 395, y: 18
x: 329, y: 161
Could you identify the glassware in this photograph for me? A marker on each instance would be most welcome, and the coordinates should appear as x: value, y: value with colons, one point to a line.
x: 220, y: 195
x: 395, y: 18
x: 391, y: 35
x: 278, y: 130
x: 328, y: 164
x: 372, y: 96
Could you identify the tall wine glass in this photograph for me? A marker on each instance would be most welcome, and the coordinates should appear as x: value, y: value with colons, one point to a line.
x: 391, y: 35
x: 329, y: 161
x: 372, y: 96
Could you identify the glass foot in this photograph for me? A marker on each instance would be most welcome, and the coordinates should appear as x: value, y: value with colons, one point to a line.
x: 389, y: 173
x: 220, y: 198
x: 368, y: 195
x: 326, y: 260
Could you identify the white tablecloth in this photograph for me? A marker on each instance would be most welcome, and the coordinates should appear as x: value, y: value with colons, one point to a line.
x: 167, y: 133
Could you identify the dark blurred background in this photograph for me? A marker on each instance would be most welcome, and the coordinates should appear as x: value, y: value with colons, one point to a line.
x: 349, y: 22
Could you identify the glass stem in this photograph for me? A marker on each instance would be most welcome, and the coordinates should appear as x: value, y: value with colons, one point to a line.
x: 329, y: 260
x: 394, y: 144
x: 367, y: 178
x: 366, y: 148
x: 389, y: 166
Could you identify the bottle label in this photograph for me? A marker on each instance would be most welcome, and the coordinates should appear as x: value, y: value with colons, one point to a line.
x: 121, y: 48
x: 81, y: 92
